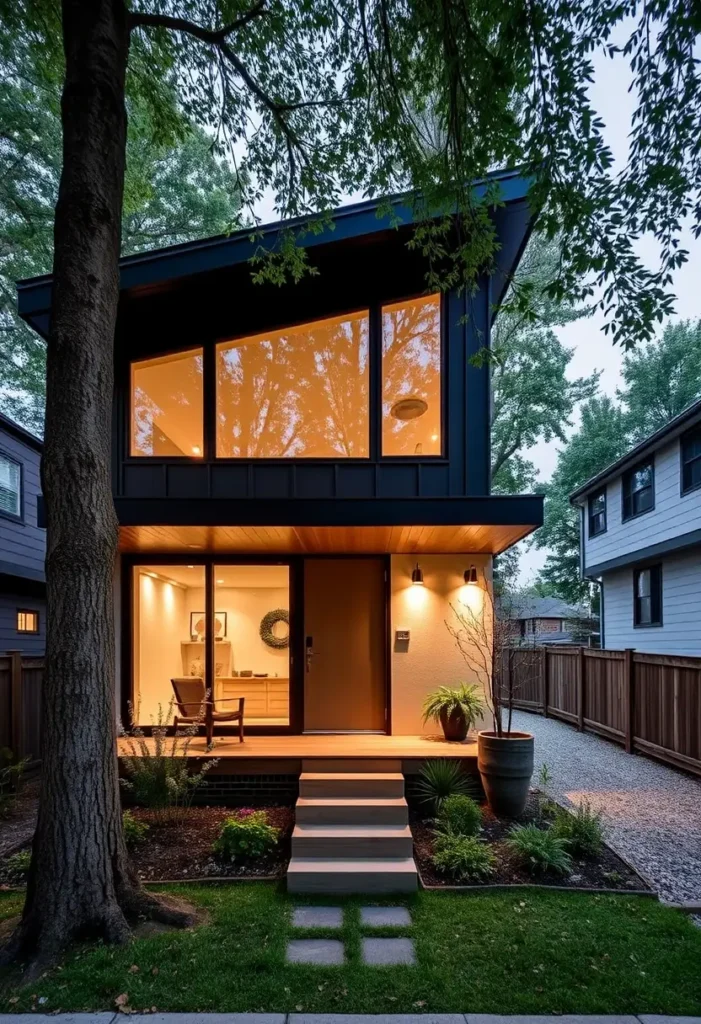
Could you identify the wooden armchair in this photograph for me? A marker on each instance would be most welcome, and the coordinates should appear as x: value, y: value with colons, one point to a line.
x: 190, y: 697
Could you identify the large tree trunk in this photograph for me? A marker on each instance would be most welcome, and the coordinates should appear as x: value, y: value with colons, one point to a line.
x: 80, y: 881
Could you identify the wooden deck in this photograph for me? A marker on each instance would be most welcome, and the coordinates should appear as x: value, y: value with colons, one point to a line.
x: 273, y: 754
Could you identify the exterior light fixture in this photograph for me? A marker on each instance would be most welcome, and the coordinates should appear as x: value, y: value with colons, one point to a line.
x: 417, y: 577
x: 470, y: 575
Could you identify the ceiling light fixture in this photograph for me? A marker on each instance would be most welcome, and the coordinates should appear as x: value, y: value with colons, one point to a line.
x: 408, y: 408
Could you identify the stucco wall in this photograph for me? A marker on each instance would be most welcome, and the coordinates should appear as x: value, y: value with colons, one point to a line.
x: 430, y: 658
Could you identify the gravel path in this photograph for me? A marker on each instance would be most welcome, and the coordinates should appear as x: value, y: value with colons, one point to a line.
x: 652, y: 813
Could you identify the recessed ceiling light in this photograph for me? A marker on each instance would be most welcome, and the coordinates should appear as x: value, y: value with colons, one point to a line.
x: 191, y: 567
x: 194, y: 546
x: 220, y: 581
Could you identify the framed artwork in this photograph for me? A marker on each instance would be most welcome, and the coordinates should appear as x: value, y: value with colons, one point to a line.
x: 198, y: 627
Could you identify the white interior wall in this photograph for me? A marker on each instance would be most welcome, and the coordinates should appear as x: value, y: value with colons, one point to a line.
x: 430, y: 658
x: 245, y: 607
x: 160, y: 623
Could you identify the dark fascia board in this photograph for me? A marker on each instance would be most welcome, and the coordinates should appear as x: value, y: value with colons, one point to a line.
x: 518, y: 510
x: 10, y: 427
x: 678, y: 425
x: 18, y: 572
x: 208, y: 254
x: 666, y: 547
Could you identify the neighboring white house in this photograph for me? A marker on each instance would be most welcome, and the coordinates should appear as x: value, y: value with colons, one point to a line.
x: 641, y: 538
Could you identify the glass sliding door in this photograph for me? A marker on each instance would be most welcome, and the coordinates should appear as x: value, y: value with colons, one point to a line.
x: 252, y: 653
x: 168, y: 624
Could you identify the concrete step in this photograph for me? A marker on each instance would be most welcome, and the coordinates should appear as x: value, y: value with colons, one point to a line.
x: 366, y: 875
x: 351, y: 784
x: 350, y: 764
x: 345, y: 841
x: 370, y: 812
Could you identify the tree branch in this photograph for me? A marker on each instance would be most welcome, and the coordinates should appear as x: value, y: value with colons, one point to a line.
x: 215, y: 37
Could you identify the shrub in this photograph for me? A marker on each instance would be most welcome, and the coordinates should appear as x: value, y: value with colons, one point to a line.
x: 539, y: 850
x: 441, y: 778
x: 582, y: 830
x: 11, y: 773
x: 460, y: 815
x: 17, y: 866
x: 134, y: 830
x: 463, y: 857
x: 246, y: 837
x: 157, y: 774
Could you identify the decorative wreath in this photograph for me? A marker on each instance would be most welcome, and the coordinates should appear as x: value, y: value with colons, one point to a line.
x: 268, y: 622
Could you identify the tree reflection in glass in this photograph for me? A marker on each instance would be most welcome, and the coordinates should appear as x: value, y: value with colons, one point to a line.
x: 411, y: 377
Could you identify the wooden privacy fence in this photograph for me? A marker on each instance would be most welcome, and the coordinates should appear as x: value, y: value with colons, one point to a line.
x: 20, y: 704
x: 650, y: 703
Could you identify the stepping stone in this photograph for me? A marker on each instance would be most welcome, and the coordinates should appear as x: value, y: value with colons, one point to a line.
x: 315, y: 951
x: 382, y: 952
x: 385, y: 917
x: 317, y: 917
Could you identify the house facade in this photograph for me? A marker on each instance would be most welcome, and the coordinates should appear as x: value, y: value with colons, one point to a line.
x: 641, y: 538
x: 302, y: 473
x: 22, y: 542
x: 549, y: 620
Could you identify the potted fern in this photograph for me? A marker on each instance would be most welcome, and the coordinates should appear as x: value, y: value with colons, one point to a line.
x: 456, y: 709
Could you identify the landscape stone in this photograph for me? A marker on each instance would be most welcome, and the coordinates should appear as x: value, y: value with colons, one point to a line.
x: 317, y: 917
x: 385, y: 917
x: 382, y: 952
x: 315, y: 951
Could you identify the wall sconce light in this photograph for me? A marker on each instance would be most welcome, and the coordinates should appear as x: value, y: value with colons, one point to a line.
x: 470, y: 575
x: 417, y: 577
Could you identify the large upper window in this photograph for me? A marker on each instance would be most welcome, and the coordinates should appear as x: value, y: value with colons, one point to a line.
x: 597, y: 514
x: 166, y: 405
x: 10, y: 487
x: 647, y: 596
x: 691, y: 460
x: 302, y: 392
x: 638, y: 490
x: 411, y: 377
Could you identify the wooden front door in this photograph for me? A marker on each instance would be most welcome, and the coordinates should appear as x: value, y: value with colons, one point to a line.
x: 344, y: 636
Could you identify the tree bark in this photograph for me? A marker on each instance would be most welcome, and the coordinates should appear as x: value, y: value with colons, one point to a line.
x: 80, y: 881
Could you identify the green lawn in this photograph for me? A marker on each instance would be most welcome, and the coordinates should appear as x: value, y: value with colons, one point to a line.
x: 508, y: 953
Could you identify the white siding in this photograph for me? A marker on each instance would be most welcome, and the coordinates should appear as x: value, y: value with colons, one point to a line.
x: 681, y: 608
x: 674, y: 514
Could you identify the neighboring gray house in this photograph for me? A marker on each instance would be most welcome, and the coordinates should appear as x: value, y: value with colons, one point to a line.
x: 22, y: 542
x: 547, y: 620
x: 641, y: 537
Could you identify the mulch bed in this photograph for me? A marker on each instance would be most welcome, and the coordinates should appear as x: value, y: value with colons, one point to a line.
x: 608, y: 871
x: 183, y: 848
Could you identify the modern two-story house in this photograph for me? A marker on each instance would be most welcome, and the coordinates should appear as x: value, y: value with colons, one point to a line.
x: 302, y: 473
x: 641, y: 538
x: 22, y: 542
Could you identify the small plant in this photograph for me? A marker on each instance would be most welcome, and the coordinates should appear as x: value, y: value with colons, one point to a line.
x: 460, y: 815
x: 246, y: 837
x: 546, y: 806
x: 463, y: 857
x: 441, y: 778
x: 134, y: 830
x: 582, y: 830
x: 544, y: 776
x: 157, y: 774
x: 539, y: 850
x: 17, y: 866
x: 11, y: 772
x: 447, y: 701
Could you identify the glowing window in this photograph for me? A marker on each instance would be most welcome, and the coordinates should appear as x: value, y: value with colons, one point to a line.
x: 166, y: 405
x: 411, y: 377
x: 301, y: 392
x: 27, y: 621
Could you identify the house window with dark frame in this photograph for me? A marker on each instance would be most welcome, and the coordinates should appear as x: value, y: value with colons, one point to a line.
x: 691, y: 460
x: 597, y: 514
x: 10, y: 487
x: 647, y: 596
x: 638, y: 490
x: 27, y: 621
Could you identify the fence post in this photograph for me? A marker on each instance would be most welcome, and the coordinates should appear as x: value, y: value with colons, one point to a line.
x: 629, y: 696
x: 546, y: 681
x: 581, y: 682
x: 16, y: 702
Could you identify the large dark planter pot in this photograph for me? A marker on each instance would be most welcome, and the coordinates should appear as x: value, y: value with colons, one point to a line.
x: 454, y: 726
x: 506, y: 767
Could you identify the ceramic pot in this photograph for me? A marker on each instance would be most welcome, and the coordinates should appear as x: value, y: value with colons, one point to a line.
x: 506, y: 767
x: 454, y: 726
